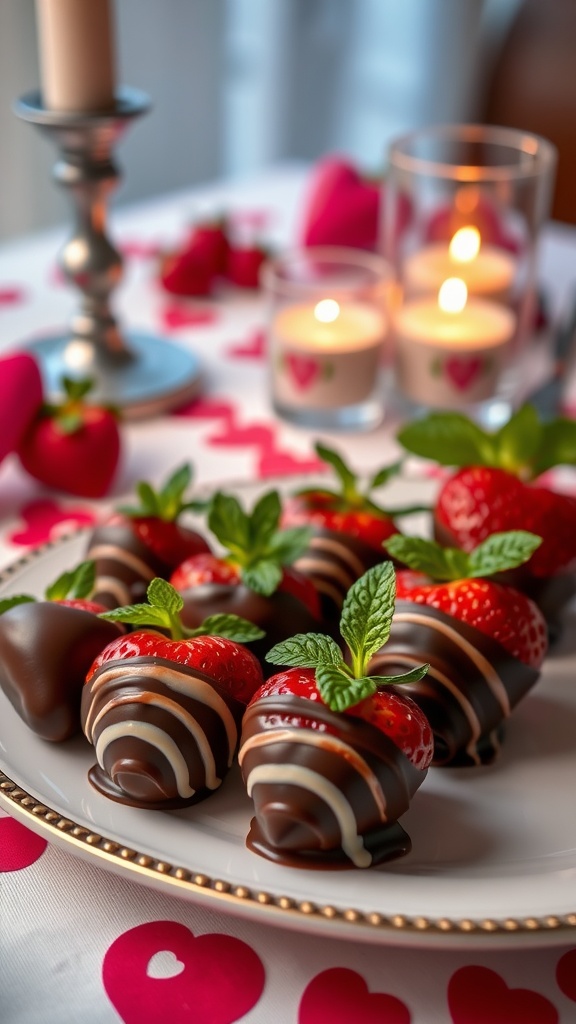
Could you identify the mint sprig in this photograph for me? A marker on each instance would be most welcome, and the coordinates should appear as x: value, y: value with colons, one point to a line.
x: 169, y: 501
x: 254, y: 540
x: 525, y: 445
x: 163, y: 611
x: 499, y: 552
x: 365, y: 626
x: 74, y: 584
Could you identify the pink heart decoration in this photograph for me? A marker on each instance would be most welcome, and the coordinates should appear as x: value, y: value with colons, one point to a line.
x: 339, y: 207
x: 253, y: 348
x: 19, y: 847
x: 275, y: 462
x: 302, y: 369
x: 462, y: 372
x: 174, y: 317
x: 258, y: 434
x: 206, y: 409
x: 11, y: 295
x: 566, y: 974
x: 341, y: 996
x: 477, y: 995
x: 160, y: 972
x: 46, y: 520
x: 140, y: 250
x: 20, y: 398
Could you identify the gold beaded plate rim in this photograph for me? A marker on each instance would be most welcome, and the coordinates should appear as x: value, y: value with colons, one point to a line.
x: 268, y: 904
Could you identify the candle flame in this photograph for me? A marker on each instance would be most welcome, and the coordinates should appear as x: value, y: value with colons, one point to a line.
x: 453, y: 295
x: 465, y: 245
x: 326, y: 311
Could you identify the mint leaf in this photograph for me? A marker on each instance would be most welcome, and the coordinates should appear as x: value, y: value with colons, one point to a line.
x: 231, y: 627
x: 367, y: 614
x: 172, y: 493
x: 428, y: 557
x: 502, y: 551
x: 339, y: 691
x: 344, y: 474
x: 76, y: 390
x: 230, y: 525
x: 558, y: 447
x: 59, y: 589
x: 162, y: 594
x: 264, y: 520
x: 306, y: 650
x: 263, y: 577
x: 149, y: 505
x: 449, y: 438
x: 287, y: 545
x: 412, y: 676
x: 83, y: 580
x: 10, y: 602
x: 518, y: 441
x: 138, y: 615
x: 382, y: 476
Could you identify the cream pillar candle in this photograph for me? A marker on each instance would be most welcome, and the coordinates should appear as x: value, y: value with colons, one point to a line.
x: 451, y: 350
x: 77, y: 59
x: 487, y: 270
x: 325, y: 355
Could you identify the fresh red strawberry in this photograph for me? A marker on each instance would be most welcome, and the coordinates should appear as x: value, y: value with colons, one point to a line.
x: 394, y: 714
x: 456, y: 585
x: 492, y: 491
x: 164, y: 711
x: 243, y: 265
x: 20, y: 398
x: 330, y: 755
x: 73, y: 446
x: 348, y: 509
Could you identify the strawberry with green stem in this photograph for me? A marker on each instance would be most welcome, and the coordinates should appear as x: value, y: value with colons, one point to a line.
x: 329, y: 754
x: 46, y: 648
x: 148, y: 539
x: 163, y: 712
x: 253, y: 576
x: 485, y: 641
x: 73, y: 445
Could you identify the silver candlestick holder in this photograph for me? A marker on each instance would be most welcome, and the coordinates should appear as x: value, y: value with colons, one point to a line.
x: 140, y: 373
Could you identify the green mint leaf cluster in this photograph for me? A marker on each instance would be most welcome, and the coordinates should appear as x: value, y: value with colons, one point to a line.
x: 10, y: 602
x: 168, y: 502
x: 525, y: 445
x: 76, y: 584
x: 350, y: 495
x: 163, y: 612
x: 499, y: 552
x: 254, y: 540
x: 365, y: 626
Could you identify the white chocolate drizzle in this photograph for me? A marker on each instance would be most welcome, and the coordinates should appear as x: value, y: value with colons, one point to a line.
x: 115, y: 553
x: 111, y: 585
x: 155, y: 737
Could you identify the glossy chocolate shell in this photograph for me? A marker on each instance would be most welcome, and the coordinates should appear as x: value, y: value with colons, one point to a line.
x: 334, y: 561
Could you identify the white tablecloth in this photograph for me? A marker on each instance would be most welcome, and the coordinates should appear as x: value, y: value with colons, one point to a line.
x: 78, y: 943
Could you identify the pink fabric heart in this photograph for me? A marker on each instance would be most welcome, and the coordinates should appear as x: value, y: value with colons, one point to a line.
x: 462, y: 372
x: 275, y: 462
x: 176, y: 316
x: 160, y: 972
x: 341, y: 996
x: 46, y: 520
x: 339, y: 207
x: 477, y: 995
x: 11, y: 295
x: 19, y: 847
x: 302, y: 369
x: 20, y: 398
x: 253, y: 348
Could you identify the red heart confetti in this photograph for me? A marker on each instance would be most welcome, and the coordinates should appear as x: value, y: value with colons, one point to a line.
x: 176, y: 316
x: 160, y: 971
x: 302, y: 369
x: 462, y: 372
x: 11, y: 295
x: 477, y: 995
x: 566, y: 974
x: 341, y: 996
x: 19, y: 847
x: 46, y: 520
x: 253, y: 348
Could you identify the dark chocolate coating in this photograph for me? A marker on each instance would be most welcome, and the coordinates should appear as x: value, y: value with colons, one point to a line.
x: 280, y: 615
x: 46, y: 649
x: 161, y: 718
x: 334, y: 561
x: 471, y: 687
x: 133, y: 570
x: 294, y: 825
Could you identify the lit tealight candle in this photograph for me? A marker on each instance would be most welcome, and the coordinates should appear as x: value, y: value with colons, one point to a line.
x: 487, y: 270
x: 451, y: 349
x: 76, y: 50
x: 325, y: 355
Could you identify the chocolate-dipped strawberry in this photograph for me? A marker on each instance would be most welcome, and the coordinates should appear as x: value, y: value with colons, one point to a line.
x: 254, y: 577
x: 330, y: 756
x: 46, y: 648
x: 348, y: 526
x: 163, y: 712
x: 142, y: 542
x: 495, y: 488
x: 484, y: 641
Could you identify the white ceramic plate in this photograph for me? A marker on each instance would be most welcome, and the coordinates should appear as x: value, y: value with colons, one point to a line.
x: 494, y: 849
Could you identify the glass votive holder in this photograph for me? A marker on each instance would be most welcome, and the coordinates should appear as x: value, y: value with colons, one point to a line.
x: 464, y: 205
x: 327, y: 326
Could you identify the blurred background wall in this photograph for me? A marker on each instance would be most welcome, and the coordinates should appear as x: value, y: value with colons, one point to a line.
x: 240, y: 84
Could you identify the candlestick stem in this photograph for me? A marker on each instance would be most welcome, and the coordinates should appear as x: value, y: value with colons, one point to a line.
x: 140, y: 373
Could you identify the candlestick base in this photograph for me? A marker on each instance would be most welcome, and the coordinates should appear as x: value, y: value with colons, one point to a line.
x: 362, y: 417
x: 149, y: 378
